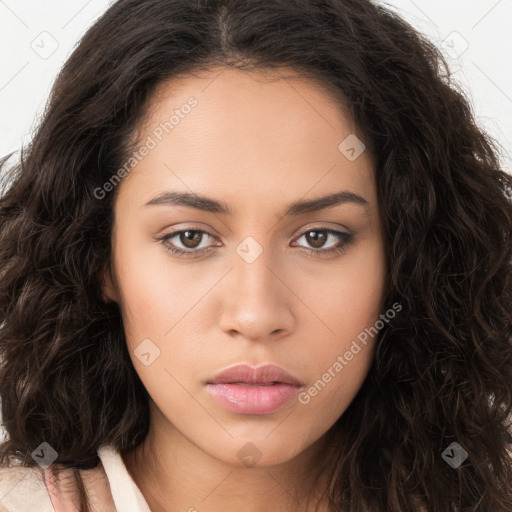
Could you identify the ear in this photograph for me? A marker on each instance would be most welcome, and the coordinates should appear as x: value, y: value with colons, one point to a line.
x: 108, y: 291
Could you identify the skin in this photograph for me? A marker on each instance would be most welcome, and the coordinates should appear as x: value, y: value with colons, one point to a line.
x: 256, y: 142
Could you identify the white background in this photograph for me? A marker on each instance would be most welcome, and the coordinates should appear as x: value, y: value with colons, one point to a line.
x: 36, y: 37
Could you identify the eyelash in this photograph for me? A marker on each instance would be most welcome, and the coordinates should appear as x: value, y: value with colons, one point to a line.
x: 340, y: 249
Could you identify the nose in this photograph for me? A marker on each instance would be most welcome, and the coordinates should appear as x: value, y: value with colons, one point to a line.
x: 257, y: 302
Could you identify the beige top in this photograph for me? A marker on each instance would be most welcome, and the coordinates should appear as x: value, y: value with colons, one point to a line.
x: 23, y: 489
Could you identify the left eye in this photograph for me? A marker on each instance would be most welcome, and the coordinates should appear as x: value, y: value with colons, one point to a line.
x: 190, y: 239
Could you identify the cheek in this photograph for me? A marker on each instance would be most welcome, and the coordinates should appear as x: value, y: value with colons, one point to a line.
x: 340, y: 361
x: 349, y: 305
x: 155, y: 294
x: 350, y: 298
x: 325, y: 399
x: 158, y: 302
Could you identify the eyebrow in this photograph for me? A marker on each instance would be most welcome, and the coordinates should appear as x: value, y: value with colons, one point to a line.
x: 296, y: 208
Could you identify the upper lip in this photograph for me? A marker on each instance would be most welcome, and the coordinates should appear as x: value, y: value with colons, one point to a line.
x: 265, y: 374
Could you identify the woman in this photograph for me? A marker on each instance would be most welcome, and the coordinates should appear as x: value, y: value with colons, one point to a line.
x: 258, y: 257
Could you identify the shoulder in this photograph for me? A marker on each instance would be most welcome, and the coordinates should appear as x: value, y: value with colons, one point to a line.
x: 23, y: 489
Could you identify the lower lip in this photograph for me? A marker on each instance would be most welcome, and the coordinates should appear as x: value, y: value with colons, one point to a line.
x: 253, y: 399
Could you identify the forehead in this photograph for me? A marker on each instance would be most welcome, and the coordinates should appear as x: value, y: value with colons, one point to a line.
x: 246, y: 133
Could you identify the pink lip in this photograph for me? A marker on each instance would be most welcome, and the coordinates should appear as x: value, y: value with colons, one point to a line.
x: 249, y: 390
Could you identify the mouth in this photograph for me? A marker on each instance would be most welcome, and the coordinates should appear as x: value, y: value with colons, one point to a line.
x: 246, y: 390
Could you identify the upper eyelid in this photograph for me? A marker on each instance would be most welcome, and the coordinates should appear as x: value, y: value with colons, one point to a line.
x: 339, y: 229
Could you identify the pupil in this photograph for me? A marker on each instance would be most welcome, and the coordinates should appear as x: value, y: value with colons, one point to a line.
x: 189, y: 238
x: 318, y: 239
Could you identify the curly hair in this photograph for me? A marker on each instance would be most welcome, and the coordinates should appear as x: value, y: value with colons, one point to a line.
x: 442, y: 370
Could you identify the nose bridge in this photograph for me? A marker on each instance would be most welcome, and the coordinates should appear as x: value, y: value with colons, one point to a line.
x: 252, y: 273
x: 256, y: 303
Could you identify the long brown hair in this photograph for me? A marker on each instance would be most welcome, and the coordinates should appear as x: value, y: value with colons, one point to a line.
x: 442, y: 371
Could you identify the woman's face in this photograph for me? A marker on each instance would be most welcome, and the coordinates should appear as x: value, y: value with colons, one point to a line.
x: 261, y: 281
